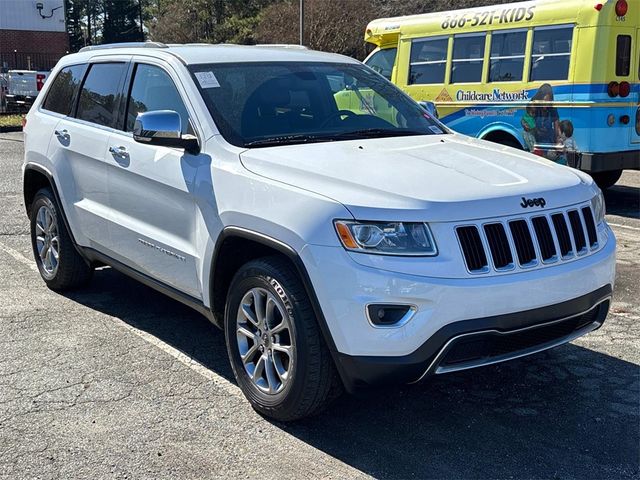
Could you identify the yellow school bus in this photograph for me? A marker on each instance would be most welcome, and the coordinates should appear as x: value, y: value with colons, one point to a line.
x: 557, y: 78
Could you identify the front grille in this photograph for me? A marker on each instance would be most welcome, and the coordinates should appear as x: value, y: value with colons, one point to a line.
x: 578, y: 232
x: 498, y: 245
x: 591, y: 226
x: 472, y: 248
x: 483, y: 347
x: 564, y: 239
x: 542, y: 238
x: 524, y: 242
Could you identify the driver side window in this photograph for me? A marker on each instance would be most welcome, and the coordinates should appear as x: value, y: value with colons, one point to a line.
x: 382, y: 62
x: 153, y: 89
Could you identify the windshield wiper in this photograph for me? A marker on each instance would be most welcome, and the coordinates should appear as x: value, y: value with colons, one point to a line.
x: 284, y: 140
x: 375, y: 133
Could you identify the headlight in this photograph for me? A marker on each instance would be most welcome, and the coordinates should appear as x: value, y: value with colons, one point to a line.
x: 387, y: 238
x: 598, y: 206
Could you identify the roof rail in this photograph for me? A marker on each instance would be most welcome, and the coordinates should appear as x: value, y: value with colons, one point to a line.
x: 124, y: 45
x: 283, y: 45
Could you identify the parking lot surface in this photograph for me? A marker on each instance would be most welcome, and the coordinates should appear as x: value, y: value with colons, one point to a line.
x: 118, y: 381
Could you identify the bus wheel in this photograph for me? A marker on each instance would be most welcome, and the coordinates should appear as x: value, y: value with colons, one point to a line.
x: 606, y: 179
x: 503, y: 138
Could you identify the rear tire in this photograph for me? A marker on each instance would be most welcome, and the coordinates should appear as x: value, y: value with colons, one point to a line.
x: 606, y: 179
x: 267, y: 314
x: 60, y: 265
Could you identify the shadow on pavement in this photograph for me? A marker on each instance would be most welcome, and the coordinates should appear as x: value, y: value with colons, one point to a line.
x: 567, y: 413
x: 623, y: 200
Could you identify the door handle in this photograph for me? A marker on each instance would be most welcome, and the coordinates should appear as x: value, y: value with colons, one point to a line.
x: 119, y: 151
x: 62, y: 134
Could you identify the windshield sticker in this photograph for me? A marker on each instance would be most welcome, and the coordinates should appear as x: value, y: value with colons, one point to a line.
x: 207, y: 80
x: 436, y: 130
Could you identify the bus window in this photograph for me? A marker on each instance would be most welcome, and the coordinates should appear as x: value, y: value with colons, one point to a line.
x: 623, y: 56
x: 551, y: 53
x: 382, y: 61
x: 507, y: 56
x: 428, y: 60
x: 468, y: 56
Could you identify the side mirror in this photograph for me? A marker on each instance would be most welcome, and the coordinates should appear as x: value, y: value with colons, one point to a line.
x: 163, y: 128
x: 430, y: 107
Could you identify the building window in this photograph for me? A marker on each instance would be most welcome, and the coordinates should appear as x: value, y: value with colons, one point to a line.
x: 551, y: 53
x: 428, y: 60
x: 468, y: 57
x: 507, y: 56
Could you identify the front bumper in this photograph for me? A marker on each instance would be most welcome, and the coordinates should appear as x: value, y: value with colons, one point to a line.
x: 446, y: 308
x: 603, y: 162
x: 482, y: 341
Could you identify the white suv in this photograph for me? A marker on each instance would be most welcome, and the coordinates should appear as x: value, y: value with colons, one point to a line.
x: 338, y: 233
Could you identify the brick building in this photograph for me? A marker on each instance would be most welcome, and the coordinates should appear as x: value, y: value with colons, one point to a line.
x: 32, y: 34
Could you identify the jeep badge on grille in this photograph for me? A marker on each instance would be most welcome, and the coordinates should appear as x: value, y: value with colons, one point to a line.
x: 533, y: 202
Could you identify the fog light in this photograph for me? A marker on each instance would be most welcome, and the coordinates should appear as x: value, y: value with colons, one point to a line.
x: 385, y: 315
x: 624, y: 119
x: 611, y: 119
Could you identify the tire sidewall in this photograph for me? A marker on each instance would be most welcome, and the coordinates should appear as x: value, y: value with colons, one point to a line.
x: 43, y: 199
x: 247, y: 279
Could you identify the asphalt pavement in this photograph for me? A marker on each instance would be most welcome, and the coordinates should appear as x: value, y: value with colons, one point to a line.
x: 118, y: 381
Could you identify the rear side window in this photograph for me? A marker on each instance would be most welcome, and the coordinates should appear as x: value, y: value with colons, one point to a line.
x: 99, y: 95
x: 468, y: 57
x: 507, y: 56
x: 623, y: 56
x: 382, y: 62
x: 153, y: 89
x: 551, y: 53
x: 428, y: 60
x: 64, y: 89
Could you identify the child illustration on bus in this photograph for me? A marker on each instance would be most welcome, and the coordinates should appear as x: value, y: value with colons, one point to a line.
x: 528, y: 123
x: 546, y: 115
x: 569, y: 146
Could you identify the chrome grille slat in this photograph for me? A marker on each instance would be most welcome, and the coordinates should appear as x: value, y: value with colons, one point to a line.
x: 503, y: 245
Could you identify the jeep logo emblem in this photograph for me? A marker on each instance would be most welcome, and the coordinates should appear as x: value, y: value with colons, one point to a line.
x: 533, y: 202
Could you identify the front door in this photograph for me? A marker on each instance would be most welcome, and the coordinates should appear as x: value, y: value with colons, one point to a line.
x: 153, y: 211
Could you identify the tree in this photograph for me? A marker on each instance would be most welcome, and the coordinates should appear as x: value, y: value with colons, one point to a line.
x: 121, y: 21
x: 338, y: 25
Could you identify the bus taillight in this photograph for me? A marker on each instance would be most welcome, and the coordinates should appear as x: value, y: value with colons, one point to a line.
x: 614, y: 89
x: 624, y: 89
x: 621, y: 8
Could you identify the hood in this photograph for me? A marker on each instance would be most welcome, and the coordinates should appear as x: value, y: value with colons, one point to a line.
x: 428, y: 178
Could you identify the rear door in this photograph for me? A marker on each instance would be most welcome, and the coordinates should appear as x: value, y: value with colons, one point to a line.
x: 79, y: 147
x: 151, y: 188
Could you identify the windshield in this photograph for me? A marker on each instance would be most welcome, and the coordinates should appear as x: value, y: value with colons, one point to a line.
x: 278, y: 103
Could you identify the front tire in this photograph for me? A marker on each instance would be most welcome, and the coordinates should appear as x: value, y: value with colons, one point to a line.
x: 275, y: 346
x: 60, y: 265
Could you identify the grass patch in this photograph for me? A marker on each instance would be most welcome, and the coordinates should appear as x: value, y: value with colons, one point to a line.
x: 10, y: 120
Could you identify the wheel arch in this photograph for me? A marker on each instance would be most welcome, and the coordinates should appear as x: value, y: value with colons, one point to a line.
x: 498, y: 132
x: 36, y: 177
x: 234, y: 247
